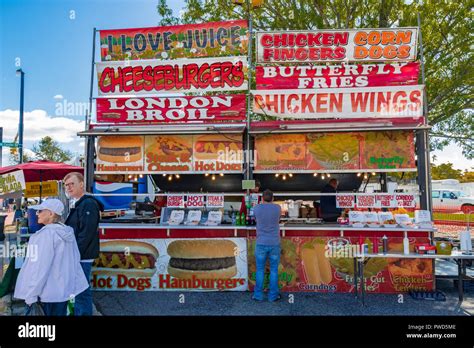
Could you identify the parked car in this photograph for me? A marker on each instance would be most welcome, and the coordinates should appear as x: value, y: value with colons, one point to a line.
x: 450, y: 201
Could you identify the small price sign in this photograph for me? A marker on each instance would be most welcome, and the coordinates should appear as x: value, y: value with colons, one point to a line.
x: 175, y: 201
x: 195, y: 201
x: 345, y: 201
x: 215, y: 201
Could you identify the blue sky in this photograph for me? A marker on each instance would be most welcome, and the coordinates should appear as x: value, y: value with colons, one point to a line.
x: 52, y: 41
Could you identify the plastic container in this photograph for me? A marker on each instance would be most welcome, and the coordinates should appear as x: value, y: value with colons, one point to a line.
x: 33, y: 224
x: 385, y: 244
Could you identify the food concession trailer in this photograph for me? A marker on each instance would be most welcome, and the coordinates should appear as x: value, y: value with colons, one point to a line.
x: 196, y: 150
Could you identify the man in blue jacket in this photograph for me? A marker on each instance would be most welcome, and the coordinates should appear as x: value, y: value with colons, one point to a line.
x: 84, y: 218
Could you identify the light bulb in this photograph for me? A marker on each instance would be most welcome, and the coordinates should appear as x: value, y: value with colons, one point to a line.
x: 277, y: 175
x: 358, y: 174
x: 374, y: 173
x: 315, y: 174
x: 221, y: 174
x: 129, y: 176
x: 213, y: 177
x: 164, y: 174
x: 141, y: 175
x: 177, y: 176
x: 365, y: 176
x: 290, y: 175
x: 207, y: 174
x: 323, y: 177
x: 329, y: 175
x: 170, y: 178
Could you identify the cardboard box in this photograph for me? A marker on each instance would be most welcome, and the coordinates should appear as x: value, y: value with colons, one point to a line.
x: 308, y: 213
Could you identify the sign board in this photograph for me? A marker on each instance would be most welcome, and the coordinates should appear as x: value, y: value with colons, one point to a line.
x: 12, y: 182
x: 347, y: 45
x: 48, y: 189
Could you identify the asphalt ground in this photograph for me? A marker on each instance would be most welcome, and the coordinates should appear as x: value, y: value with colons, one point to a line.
x: 164, y: 303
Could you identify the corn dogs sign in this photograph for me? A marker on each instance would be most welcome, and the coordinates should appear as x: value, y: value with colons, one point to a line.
x: 337, y: 45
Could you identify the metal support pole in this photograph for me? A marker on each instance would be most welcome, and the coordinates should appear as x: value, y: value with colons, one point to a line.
x: 422, y: 142
x: 249, y: 174
x: 89, y: 142
x: 20, y: 129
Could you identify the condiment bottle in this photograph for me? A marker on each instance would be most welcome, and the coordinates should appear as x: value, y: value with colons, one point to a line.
x: 375, y: 245
x: 406, y: 245
x: 384, y: 244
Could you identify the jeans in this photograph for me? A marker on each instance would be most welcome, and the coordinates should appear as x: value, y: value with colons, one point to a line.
x: 54, y: 309
x: 83, y: 301
x: 262, y: 252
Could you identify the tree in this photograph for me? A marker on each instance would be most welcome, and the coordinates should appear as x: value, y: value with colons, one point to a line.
x: 447, y: 41
x: 14, y: 157
x: 467, y: 176
x: 445, y: 171
x: 48, y: 149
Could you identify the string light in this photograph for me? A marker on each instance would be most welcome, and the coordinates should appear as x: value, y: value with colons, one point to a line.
x: 365, y: 176
x: 358, y: 174
x: 284, y: 177
x: 213, y: 177
x: 177, y: 176
x: 130, y: 176
x: 170, y: 178
x: 141, y: 176
x: 323, y: 177
x: 221, y: 174
x: 329, y: 175
x: 277, y: 175
x: 315, y: 174
x: 290, y: 175
x: 207, y: 174
x: 374, y: 173
x: 164, y: 174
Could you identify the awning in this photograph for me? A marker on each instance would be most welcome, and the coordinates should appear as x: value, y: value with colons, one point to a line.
x: 165, y: 129
x: 305, y: 126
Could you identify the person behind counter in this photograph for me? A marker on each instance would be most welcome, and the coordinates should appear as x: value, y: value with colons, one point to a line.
x: 159, y: 203
x: 267, y: 215
x: 329, y: 211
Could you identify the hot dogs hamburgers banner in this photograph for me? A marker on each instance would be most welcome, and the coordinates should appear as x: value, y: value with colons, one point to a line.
x: 337, y: 45
x: 187, y: 109
x: 336, y: 76
x: 171, y: 264
x: 341, y: 103
x: 146, y: 77
x: 211, y: 39
x: 170, y: 153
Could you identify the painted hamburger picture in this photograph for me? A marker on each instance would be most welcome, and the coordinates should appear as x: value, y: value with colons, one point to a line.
x: 120, y: 149
x: 202, y: 258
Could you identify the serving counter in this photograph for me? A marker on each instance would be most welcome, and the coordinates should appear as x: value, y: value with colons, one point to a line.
x: 316, y: 258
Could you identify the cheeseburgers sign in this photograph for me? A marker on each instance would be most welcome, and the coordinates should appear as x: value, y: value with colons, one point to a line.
x: 171, y: 264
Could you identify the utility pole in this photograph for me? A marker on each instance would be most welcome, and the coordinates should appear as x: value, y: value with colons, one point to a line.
x: 20, y: 73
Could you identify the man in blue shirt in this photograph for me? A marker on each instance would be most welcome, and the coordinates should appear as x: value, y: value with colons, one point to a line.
x: 267, y: 216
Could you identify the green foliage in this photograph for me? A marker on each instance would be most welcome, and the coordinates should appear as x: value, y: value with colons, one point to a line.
x: 48, y: 149
x: 445, y: 171
x: 446, y: 28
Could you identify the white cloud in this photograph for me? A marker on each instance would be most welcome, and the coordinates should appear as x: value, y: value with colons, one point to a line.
x: 37, y: 125
x: 58, y: 96
x: 453, y: 154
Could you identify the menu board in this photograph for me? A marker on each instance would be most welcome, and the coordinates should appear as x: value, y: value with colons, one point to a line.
x: 335, y: 151
x: 170, y: 153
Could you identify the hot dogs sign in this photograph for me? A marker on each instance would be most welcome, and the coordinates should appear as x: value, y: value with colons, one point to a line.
x: 170, y: 153
x: 171, y: 264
